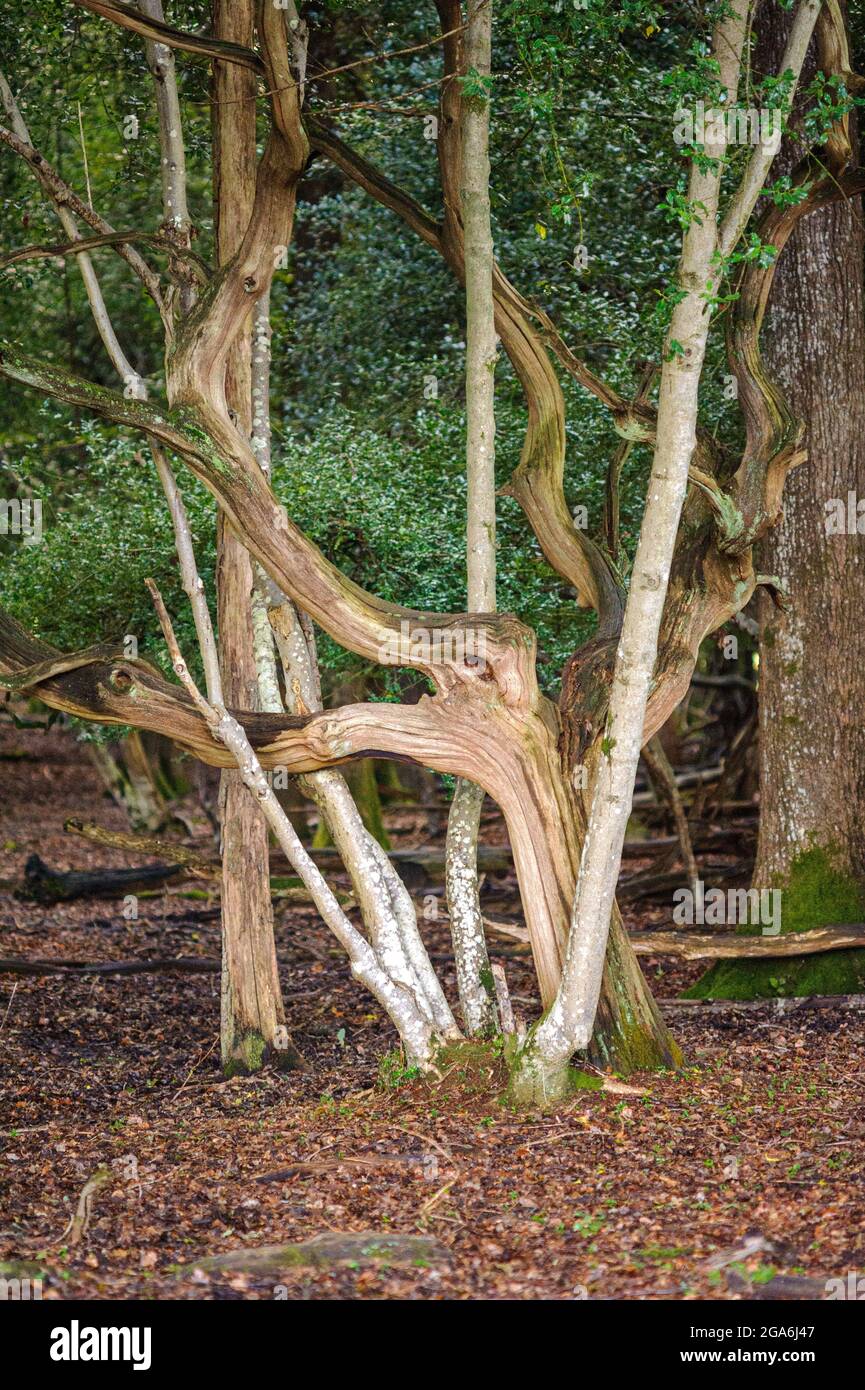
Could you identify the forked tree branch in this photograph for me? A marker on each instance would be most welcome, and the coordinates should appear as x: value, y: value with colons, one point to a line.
x: 47, y: 250
x: 455, y: 650
x: 757, y: 169
x: 399, y: 1003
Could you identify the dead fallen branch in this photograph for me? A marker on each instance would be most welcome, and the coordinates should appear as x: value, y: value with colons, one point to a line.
x: 190, y: 965
x: 331, y: 1248
x: 428, y: 861
x: 197, y: 865
x: 47, y: 886
x: 80, y: 1220
x: 417, y: 867
x: 786, y: 1288
x: 650, y: 885
x: 812, y: 1003
x: 691, y: 777
x: 688, y: 946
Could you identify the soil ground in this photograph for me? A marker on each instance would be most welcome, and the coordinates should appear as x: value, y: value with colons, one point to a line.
x: 750, y: 1158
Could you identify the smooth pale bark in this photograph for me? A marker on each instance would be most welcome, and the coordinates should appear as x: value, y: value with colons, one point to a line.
x: 474, y: 977
x: 160, y: 61
x: 567, y: 1028
x: 397, y: 1002
x: 475, y: 981
x: 481, y: 337
x: 386, y: 907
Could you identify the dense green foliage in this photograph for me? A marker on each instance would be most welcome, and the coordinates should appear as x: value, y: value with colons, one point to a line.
x: 368, y: 323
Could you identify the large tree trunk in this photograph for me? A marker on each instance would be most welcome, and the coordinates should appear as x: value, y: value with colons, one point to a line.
x: 253, y: 1020
x: 812, y: 656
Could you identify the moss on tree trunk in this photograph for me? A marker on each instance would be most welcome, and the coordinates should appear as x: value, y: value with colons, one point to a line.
x: 816, y: 893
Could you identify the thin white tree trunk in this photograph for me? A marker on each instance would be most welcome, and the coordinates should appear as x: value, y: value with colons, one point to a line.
x: 474, y: 977
x: 262, y: 633
x: 400, y: 1006
x: 568, y: 1025
x: 386, y: 907
x: 101, y: 318
x: 480, y: 318
x: 387, y: 910
x: 160, y: 61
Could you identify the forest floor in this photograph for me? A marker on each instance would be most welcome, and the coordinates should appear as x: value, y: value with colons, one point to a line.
x: 704, y: 1183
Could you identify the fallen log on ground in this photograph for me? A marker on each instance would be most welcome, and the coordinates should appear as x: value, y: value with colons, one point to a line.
x: 330, y: 1248
x: 690, y: 777
x: 809, y: 1003
x: 44, y: 885
x: 429, y: 860
x: 649, y: 885
x: 196, y: 864
x: 190, y: 965
x: 688, y: 946
x: 420, y: 863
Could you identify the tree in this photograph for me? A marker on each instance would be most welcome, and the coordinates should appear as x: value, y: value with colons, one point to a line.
x: 253, y: 1018
x: 812, y: 648
x: 474, y: 977
x: 549, y: 767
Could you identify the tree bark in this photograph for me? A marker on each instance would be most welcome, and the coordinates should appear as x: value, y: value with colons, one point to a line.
x: 812, y: 653
x: 542, y: 1068
x: 474, y: 977
x: 490, y: 725
x: 253, y: 1018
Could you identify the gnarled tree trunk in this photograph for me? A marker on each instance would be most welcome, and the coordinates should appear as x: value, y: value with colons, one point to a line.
x: 253, y: 1017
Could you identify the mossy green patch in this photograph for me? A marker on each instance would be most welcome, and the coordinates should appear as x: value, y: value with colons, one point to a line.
x: 393, y: 1072
x: 828, y: 972
x: 249, y: 1055
x: 817, y: 893
x: 628, y: 1047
